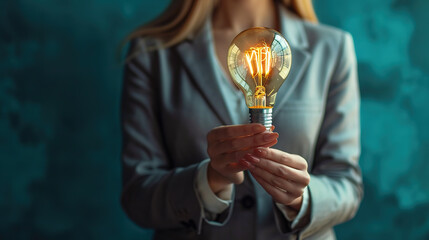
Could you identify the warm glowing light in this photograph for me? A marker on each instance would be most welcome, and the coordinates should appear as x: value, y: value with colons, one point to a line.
x: 261, y: 57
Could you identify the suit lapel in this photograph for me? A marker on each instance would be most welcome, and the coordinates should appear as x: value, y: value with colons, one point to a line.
x: 300, y: 61
x: 293, y: 30
x: 199, y: 59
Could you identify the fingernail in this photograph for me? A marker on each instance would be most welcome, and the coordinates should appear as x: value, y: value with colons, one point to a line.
x: 270, y: 137
x: 260, y: 152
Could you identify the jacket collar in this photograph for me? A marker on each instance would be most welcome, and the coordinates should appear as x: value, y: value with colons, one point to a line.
x: 199, y: 58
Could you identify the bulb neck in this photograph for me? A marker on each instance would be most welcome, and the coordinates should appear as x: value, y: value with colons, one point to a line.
x: 263, y: 116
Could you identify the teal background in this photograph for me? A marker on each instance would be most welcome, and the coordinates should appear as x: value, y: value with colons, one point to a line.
x: 59, y: 116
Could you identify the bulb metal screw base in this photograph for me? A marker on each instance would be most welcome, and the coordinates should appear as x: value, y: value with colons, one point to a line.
x: 263, y: 116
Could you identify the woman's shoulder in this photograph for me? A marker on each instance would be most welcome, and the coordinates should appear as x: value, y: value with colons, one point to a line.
x: 312, y: 35
x: 144, y: 44
x: 322, y: 34
x: 143, y: 51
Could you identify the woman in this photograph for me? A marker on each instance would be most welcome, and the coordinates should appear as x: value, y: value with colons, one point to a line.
x: 193, y: 168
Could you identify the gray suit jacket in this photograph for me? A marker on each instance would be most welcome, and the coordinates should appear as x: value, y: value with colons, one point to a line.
x: 171, y: 101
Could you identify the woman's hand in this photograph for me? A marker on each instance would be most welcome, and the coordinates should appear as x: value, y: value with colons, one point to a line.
x: 226, y: 145
x: 284, y: 176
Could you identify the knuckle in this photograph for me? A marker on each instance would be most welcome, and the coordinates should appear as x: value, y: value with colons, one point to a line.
x: 284, y: 158
x: 307, y: 179
x: 300, y: 161
x: 282, y: 171
x: 305, y: 164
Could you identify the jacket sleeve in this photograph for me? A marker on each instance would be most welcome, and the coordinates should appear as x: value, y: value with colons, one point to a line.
x: 336, y: 183
x: 155, y: 194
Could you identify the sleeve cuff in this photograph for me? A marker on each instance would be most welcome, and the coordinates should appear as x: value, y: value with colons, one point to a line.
x: 211, y: 203
x: 291, y: 214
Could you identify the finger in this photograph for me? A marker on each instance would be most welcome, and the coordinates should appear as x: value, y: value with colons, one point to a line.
x: 234, y: 131
x: 269, y: 144
x: 241, y: 143
x: 284, y: 158
x: 298, y: 176
x: 292, y: 188
x: 251, y: 159
x: 246, y: 164
x: 251, y: 149
x: 234, y: 156
x: 230, y: 157
x: 277, y: 194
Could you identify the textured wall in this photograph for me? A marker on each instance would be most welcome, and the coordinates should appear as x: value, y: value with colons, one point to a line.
x: 59, y: 118
x: 391, y: 43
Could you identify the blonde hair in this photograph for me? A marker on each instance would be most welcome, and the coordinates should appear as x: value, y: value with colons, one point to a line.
x: 184, y: 17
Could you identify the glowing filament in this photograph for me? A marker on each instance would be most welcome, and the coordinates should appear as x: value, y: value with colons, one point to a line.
x: 259, y: 64
x: 259, y: 61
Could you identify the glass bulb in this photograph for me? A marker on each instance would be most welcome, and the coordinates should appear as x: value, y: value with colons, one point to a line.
x: 259, y: 60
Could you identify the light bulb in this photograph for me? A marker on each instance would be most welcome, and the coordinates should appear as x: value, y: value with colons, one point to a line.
x: 259, y: 60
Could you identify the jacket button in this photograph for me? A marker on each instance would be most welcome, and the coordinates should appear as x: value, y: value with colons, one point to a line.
x: 247, y: 201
